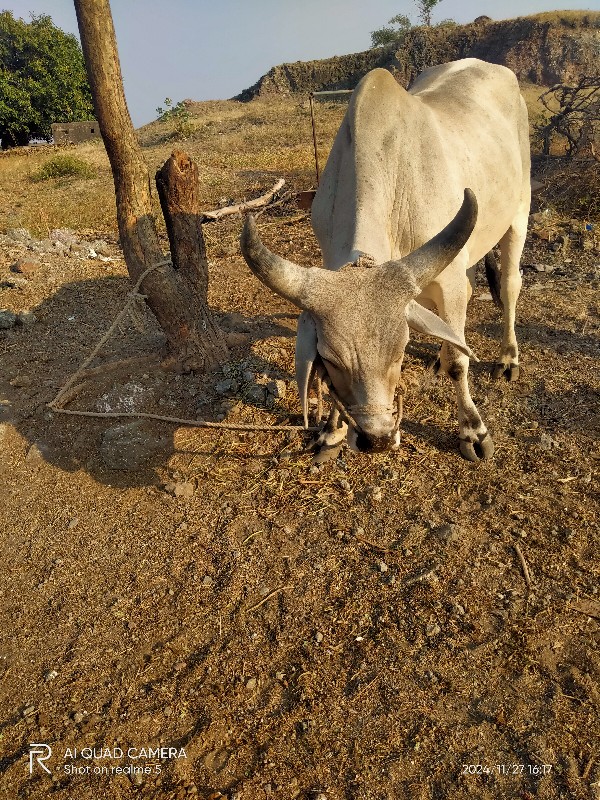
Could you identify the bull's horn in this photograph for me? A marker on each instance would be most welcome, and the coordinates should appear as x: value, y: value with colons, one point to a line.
x: 429, y: 260
x: 284, y: 277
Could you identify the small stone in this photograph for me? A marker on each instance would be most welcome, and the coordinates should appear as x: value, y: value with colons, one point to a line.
x: 73, y: 523
x: 184, y: 489
x: 8, y: 319
x: 207, y: 581
x: 13, y: 282
x: 382, y: 566
x: 277, y: 388
x: 49, y: 676
x: 248, y: 375
x: 26, y: 266
x: 251, y: 684
x: 345, y: 485
x: 280, y: 675
x: 224, y: 386
x: 432, y: 629
x: 137, y: 779
x: 318, y: 637
x: 19, y: 235
x: 179, y: 666
x: 63, y: 235
x: 78, y: 717
x: 376, y: 494
x: 28, y: 711
x: 26, y: 318
x: 21, y: 381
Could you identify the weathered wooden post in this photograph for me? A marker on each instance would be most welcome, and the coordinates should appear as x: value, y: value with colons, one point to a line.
x: 177, y: 294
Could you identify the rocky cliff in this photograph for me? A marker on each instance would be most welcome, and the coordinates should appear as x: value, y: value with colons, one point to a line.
x: 545, y: 49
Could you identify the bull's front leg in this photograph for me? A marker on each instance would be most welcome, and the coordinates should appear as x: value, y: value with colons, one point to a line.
x: 475, y: 441
x: 331, y: 438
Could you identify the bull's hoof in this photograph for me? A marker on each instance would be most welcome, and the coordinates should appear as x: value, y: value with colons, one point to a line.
x: 508, y: 371
x: 326, y: 452
x: 480, y: 450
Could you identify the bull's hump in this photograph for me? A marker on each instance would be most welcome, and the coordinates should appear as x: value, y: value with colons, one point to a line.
x: 374, y: 97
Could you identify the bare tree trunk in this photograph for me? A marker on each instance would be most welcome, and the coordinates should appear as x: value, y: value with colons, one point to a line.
x: 194, y: 340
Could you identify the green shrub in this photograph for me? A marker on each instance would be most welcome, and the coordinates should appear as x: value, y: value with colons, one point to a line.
x: 64, y: 166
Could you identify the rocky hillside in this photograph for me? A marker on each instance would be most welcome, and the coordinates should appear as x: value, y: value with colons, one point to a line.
x: 545, y: 49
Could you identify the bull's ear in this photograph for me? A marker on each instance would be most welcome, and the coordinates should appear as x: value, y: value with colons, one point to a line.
x: 306, y: 354
x: 421, y: 319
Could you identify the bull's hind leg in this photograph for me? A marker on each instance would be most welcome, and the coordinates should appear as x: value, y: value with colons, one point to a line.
x: 511, y: 249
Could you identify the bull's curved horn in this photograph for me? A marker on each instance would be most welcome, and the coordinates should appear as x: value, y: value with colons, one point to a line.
x: 284, y: 277
x: 431, y: 258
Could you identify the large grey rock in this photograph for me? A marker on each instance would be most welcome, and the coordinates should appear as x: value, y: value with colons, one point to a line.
x: 8, y: 319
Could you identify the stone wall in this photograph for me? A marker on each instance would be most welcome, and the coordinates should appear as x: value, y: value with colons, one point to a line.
x: 75, y: 132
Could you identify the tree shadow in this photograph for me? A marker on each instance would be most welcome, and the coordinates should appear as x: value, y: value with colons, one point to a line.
x: 39, y: 358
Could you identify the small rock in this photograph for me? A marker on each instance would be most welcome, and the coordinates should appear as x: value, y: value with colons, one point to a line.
x: 63, y: 235
x: 251, y: 684
x: 21, y: 381
x: 19, y: 235
x: 318, y: 637
x: 277, y: 388
x: 345, y: 485
x: 28, y: 711
x: 26, y: 266
x: 49, y: 676
x: 224, y: 386
x: 184, y: 489
x: 179, y: 666
x: 207, y: 581
x: 248, y: 375
x: 280, y: 675
x: 26, y: 318
x: 8, y: 319
x: 382, y: 566
x: 13, y: 282
x: 432, y: 629
x: 255, y: 393
x: 78, y: 717
x: 73, y: 523
x: 100, y: 247
x: 376, y: 494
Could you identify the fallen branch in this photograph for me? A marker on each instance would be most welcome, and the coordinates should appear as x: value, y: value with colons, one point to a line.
x: 258, y: 202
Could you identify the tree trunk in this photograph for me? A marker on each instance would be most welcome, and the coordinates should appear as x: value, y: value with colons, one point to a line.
x: 194, y: 340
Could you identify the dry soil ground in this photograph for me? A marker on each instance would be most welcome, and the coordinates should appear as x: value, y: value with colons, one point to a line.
x: 363, y: 631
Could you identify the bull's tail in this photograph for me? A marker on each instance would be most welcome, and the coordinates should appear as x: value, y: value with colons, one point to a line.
x: 492, y: 273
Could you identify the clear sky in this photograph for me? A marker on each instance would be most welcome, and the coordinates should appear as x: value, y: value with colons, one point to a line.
x: 213, y: 49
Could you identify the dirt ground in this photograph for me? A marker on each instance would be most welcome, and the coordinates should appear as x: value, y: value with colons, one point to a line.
x: 361, y: 631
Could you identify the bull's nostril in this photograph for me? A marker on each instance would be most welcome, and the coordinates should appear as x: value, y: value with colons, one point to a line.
x: 363, y: 443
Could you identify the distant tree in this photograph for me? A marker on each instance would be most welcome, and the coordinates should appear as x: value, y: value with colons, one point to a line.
x: 396, y: 29
x: 425, y: 8
x: 574, y: 117
x: 400, y: 24
x: 42, y: 79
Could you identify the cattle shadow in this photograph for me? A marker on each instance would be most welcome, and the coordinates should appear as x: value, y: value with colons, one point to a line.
x: 564, y: 341
x: 40, y: 357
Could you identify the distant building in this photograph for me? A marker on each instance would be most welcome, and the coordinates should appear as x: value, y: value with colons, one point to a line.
x: 75, y: 132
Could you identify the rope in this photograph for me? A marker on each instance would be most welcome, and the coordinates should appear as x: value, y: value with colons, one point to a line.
x: 132, y: 297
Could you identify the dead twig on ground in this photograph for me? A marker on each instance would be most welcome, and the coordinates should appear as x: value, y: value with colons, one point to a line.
x: 269, y: 596
x: 258, y: 202
x: 524, y: 566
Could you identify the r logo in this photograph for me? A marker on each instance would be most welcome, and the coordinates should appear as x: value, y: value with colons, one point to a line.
x: 42, y: 752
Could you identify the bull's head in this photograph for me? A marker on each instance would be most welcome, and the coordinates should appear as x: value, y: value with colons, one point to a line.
x: 355, y: 321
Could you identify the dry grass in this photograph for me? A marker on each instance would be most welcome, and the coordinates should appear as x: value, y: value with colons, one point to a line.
x: 572, y: 19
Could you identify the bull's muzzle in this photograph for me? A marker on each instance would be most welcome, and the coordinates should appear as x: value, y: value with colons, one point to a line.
x: 374, y: 444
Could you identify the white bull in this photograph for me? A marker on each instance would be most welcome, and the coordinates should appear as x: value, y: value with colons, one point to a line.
x: 397, y: 173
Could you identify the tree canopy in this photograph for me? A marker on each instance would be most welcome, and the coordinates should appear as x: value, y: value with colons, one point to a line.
x: 395, y: 31
x: 42, y: 79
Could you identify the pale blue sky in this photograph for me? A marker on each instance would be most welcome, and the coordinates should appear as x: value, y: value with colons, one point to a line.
x: 208, y: 50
